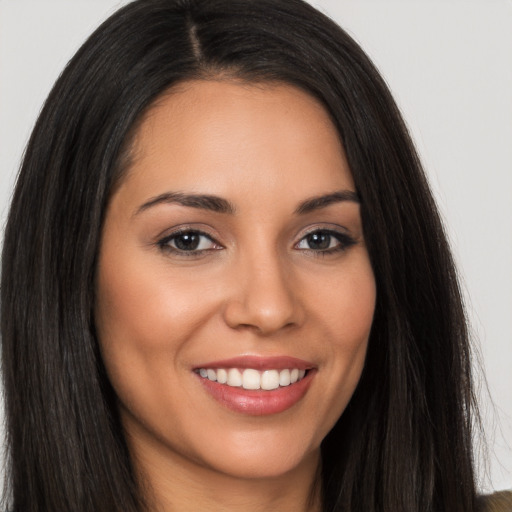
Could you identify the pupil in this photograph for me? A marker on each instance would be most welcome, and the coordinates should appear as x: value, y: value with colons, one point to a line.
x: 187, y: 241
x: 319, y: 240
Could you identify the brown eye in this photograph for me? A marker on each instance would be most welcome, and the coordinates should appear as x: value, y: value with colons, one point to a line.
x: 319, y: 241
x: 325, y: 241
x: 188, y: 241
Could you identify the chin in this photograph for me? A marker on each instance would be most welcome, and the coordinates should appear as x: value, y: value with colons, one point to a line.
x: 263, y: 453
x: 267, y: 465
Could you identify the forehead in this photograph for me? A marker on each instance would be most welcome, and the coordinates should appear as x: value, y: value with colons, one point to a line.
x: 206, y: 136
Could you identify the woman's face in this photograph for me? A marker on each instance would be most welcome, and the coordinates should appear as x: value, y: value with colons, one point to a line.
x: 233, y: 259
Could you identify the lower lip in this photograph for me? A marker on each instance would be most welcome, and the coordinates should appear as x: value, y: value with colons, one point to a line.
x: 258, y: 402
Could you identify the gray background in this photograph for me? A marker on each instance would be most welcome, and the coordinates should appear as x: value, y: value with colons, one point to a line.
x: 449, y: 65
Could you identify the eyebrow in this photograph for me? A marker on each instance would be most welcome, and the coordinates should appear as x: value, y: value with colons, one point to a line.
x: 201, y: 201
x: 220, y: 205
x: 319, y: 202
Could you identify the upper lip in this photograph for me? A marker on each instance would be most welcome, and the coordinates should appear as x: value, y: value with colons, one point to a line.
x: 259, y: 363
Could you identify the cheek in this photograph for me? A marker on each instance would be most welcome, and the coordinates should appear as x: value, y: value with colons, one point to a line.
x: 145, y: 318
x: 345, y: 309
x: 355, y: 318
x: 346, y: 304
x: 141, y: 304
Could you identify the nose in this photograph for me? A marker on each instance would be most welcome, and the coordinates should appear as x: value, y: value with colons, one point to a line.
x: 264, y: 296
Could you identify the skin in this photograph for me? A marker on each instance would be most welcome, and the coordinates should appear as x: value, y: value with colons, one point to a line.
x: 257, y: 287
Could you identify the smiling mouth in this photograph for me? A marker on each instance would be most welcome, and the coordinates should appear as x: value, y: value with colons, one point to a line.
x: 252, y: 379
x: 257, y: 385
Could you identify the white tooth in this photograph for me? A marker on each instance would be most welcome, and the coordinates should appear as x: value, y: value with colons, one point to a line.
x: 284, y: 378
x: 251, y: 379
x: 211, y: 374
x: 234, y: 378
x: 222, y: 376
x: 294, y: 375
x: 301, y: 374
x: 203, y: 373
x: 270, y: 379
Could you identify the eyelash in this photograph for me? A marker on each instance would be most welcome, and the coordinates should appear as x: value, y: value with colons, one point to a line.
x: 165, y: 242
x: 344, y: 242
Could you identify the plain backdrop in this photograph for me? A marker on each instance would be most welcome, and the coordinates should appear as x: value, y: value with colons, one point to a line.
x: 449, y: 66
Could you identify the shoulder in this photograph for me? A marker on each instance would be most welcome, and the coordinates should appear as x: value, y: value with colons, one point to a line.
x: 497, y: 502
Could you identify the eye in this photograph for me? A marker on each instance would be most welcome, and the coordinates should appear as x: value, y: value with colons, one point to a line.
x: 191, y: 241
x: 325, y: 241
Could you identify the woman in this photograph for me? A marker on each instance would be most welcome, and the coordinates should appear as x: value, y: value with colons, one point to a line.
x: 225, y: 284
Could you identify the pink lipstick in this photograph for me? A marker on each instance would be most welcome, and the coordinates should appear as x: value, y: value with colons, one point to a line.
x: 257, y: 385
